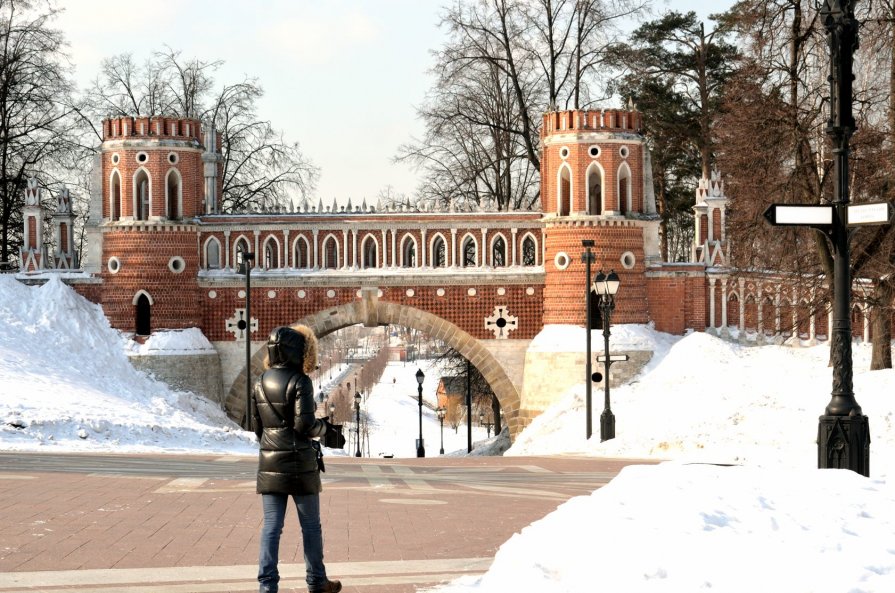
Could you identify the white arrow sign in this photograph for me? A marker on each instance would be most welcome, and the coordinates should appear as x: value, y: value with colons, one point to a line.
x: 799, y: 214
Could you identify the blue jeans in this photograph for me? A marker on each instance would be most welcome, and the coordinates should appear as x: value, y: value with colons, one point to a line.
x: 311, y: 535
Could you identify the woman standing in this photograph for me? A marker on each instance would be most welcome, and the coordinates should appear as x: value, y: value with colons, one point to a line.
x: 289, y: 463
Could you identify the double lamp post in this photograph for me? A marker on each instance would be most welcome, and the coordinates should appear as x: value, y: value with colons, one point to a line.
x: 603, y: 287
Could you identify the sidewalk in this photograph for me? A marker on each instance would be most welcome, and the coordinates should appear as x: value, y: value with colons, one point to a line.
x: 389, y: 525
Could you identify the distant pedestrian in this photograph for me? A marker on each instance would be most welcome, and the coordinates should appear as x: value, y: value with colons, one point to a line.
x: 289, y: 461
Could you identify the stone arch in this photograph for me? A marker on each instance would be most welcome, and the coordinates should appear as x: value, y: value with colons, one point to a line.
x: 371, y: 312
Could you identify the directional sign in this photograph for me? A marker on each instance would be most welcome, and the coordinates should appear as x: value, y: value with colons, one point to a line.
x: 799, y: 214
x: 873, y: 213
x: 869, y: 214
x: 613, y: 358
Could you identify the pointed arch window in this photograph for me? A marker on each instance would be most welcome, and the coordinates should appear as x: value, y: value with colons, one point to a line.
x: 564, y: 191
x: 594, y: 190
x: 142, y: 199
x: 173, y: 195
x: 439, y: 253
x: 242, y: 246
x: 302, y: 253
x: 330, y: 253
x: 115, y: 196
x: 371, y: 253
x: 498, y: 253
x: 408, y: 252
x: 470, y: 252
x: 529, y: 252
x: 271, y: 254
x: 213, y: 254
x: 624, y: 189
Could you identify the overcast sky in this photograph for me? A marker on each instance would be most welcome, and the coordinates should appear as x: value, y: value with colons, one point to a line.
x: 342, y: 77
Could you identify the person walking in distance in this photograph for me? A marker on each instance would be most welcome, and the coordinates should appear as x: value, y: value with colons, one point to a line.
x: 289, y: 460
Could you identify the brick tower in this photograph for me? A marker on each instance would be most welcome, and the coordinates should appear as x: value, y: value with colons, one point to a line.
x: 153, y: 187
x: 596, y: 184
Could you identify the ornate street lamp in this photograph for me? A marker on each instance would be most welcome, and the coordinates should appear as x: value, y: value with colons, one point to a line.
x: 357, y: 409
x: 420, y: 450
x: 441, y: 412
x: 606, y: 287
x: 243, y: 266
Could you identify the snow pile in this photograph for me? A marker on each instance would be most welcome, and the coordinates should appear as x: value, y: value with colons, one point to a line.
x: 67, y: 384
x: 672, y: 528
x: 183, y: 341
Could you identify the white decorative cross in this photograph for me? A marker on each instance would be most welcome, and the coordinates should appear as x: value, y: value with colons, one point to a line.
x: 501, y: 323
x: 236, y: 325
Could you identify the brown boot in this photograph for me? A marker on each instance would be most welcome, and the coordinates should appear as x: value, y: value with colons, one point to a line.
x: 327, y: 587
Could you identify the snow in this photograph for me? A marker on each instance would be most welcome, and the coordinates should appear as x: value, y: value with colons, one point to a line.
x: 764, y: 521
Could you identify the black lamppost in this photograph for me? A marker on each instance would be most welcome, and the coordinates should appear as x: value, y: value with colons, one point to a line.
x: 357, y: 409
x: 606, y: 286
x: 588, y: 258
x: 420, y: 450
x: 843, y: 432
x: 441, y: 412
x: 243, y: 266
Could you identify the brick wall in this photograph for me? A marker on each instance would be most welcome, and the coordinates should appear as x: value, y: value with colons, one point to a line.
x: 677, y: 298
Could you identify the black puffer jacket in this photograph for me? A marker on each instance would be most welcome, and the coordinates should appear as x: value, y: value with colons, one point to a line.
x: 283, y: 418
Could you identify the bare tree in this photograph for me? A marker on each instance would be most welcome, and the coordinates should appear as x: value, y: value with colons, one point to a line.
x: 262, y: 170
x: 39, y: 130
x: 504, y: 64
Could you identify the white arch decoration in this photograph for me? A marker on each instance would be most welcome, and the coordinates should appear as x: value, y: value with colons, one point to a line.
x: 208, y: 242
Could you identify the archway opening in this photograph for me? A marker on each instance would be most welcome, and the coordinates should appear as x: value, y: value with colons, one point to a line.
x: 143, y: 316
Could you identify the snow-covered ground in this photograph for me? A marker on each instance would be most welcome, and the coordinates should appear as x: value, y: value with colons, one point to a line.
x: 771, y: 522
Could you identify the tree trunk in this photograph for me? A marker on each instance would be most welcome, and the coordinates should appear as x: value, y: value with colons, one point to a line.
x: 881, y: 326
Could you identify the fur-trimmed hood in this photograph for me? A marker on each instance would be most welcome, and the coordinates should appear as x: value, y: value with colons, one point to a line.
x: 294, y: 347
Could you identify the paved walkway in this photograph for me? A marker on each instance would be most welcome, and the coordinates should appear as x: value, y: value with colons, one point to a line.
x: 175, y: 524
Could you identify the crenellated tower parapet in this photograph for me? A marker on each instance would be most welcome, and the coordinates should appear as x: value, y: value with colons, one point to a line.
x: 184, y: 129
x: 152, y: 169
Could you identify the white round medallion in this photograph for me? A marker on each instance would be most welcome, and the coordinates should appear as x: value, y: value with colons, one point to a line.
x: 212, y: 294
x: 471, y: 292
x: 501, y: 291
x: 302, y: 294
x: 529, y: 291
x: 241, y: 294
x: 331, y: 293
x: 440, y: 292
x: 410, y: 292
x: 271, y: 294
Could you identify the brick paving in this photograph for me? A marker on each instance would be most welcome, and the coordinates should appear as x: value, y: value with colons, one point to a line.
x: 191, y: 524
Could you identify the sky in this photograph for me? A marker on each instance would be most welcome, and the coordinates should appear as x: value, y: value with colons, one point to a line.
x: 736, y: 503
x: 344, y: 78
